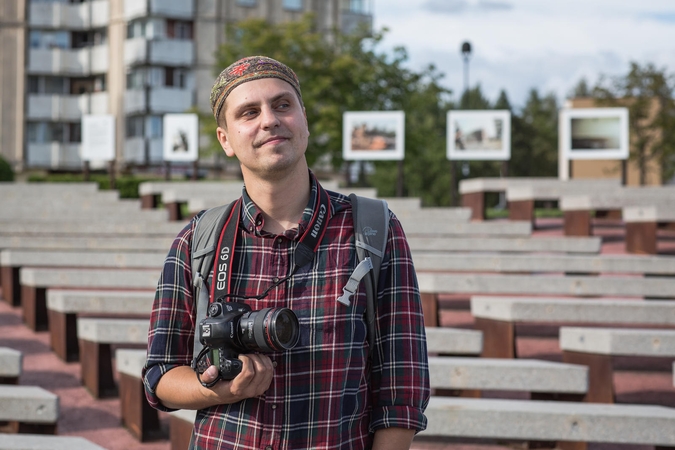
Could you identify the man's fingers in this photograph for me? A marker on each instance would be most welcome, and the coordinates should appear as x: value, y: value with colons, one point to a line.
x: 210, y: 374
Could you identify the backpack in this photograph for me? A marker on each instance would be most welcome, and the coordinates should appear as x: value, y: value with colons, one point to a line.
x: 371, y: 227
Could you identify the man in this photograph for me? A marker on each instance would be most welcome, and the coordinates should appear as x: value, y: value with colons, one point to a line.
x: 331, y: 391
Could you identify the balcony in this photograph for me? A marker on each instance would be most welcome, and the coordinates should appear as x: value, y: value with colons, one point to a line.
x: 175, y: 9
x: 66, y: 108
x: 56, y: 61
x: 134, y: 150
x: 161, y: 100
x: 70, y: 16
x: 165, y: 52
x: 53, y: 155
x: 352, y: 21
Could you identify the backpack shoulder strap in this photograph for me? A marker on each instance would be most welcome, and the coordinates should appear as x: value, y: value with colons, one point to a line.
x: 371, y: 228
x: 204, y: 242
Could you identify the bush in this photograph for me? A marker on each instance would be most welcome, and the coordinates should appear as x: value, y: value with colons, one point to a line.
x: 127, y: 185
x: 6, y: 172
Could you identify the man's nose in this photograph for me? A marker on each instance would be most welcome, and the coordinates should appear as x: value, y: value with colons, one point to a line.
x: 269, y: 117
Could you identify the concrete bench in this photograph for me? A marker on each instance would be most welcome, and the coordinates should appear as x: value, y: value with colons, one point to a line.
x: 540, y: 378
x: 642, y: 223
x: 138, y: 416
x: 595, y: 347
x: 496, y: 316
x: 105, y: 213
x: 507, y: 263
x: 96, y: 336
x: 453, y: 341
x: 11, y: 363
x: 577, y: 208
x: 151, y: 192
x: 12, y: 260
x: 63, y: 306
x: 181, y: 424
x: 10, y: 187
x: 41, y: 442
x: 473, y: 191
x: 569, y: 423
x: 36, y: 280
x: 433, y: 284
x: 506, y: 244
x: 28, y: 409
x: 123, y: 243
x: 90, y: 229
x: 414, y: 227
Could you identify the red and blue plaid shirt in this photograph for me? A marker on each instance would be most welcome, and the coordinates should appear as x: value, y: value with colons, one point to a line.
x: 323, y: 394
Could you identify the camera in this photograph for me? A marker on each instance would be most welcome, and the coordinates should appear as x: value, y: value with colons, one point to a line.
x: 232, y: 328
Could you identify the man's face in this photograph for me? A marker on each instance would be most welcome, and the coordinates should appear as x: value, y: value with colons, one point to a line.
x: 266, y: 127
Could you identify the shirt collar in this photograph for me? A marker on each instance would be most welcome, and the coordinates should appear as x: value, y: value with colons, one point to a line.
x: 252, y: 219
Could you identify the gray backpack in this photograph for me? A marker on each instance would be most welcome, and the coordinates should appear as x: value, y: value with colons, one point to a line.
x: 371, y: 226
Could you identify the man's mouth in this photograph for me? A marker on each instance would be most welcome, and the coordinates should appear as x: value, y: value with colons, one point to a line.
x: 273, y: 140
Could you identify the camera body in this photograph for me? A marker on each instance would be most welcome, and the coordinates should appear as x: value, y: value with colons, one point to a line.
x: 233, y: 328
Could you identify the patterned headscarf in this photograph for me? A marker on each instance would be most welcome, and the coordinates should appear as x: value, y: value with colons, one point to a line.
x: 247, y: 69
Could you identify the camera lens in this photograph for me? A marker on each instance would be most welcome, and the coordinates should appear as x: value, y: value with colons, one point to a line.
x: 275, y: 329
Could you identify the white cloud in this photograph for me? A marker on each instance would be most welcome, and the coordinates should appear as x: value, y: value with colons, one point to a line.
x: 520, y: 44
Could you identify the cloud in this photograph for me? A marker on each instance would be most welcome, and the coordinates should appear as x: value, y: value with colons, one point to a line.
x: 461, y: 6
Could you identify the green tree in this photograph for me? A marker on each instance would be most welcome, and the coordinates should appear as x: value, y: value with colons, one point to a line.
x: 6, y: 172
x: 647, y: 92
x: 345, y: 72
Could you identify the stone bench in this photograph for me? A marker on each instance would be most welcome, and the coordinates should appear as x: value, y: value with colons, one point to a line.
x: 40, y: 442
x: 571, y: 424
x: 12, y: 187
x: 11, y: 261
x: 151, y: 192
x: 138, y: 416
x: 11, y: 363
x: 91, y: 229
x: 433, y: 284
x: 63, y: 307
x: 36, y: 280
x: 577, y: 208
x: 65, y: 214
x: 96, y: 336
x: 108, y: 243
x: 496, y: 317
x: 506, y: 244
x: 415, y: 227
x: 642, y: 223
x: 508, y: 263
x: 28, y: 409
x: 595, y: 347
x: 540, y: 378
x: 473, y: 192
x: 454, y: 341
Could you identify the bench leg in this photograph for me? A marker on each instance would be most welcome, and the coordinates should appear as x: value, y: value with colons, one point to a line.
x: 28, y: 428
x: 522, y: 210
x: 34, y: 306
x: 9, y: 380
x: 577, y: 223
x: 564, y: 445
x: 499, y: 338
x: 63, y: 335
x: 180, y: 433
x: 10, y: 282
x: 138, y: 416
x: 174, y: 209
x: 430, y: 309
x: 600, y: 375
x: 96, y: 369
x: 149, y: 201
x: 475, y: 201
x: 641, y: 237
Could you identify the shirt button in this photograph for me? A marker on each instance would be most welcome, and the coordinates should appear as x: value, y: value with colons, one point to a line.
x: 275, y: 279
x: 274, y: 363
x: 269, y: 447
x: 258, y: 222
x: 274, y: 406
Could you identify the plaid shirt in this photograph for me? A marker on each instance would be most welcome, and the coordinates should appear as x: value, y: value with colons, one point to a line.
x: 323, y: 394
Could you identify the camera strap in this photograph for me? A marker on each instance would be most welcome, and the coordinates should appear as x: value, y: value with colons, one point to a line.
x: 303, y: 254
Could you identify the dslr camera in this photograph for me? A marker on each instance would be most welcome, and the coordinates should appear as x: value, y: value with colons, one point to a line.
x: 232, y: 328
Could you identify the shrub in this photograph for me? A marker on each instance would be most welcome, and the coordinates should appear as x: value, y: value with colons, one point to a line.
x: 6, y: 172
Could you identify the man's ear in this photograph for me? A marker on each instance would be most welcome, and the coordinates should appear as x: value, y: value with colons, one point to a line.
x: 221, y: 134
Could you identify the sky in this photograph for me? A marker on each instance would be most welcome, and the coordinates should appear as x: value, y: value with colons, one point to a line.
x: 518, y: 45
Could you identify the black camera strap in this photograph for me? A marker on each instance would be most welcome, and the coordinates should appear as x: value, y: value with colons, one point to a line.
x: 303, y: 254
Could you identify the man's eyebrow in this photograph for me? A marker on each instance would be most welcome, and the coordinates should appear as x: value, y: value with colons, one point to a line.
x: 279, y: 96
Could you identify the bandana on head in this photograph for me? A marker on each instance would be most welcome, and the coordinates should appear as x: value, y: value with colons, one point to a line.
x: 247, y: 69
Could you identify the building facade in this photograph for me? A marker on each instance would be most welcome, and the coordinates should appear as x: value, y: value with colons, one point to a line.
x: 135, y: 59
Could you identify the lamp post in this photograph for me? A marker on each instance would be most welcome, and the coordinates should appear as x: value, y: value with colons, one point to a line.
x: 466, y: 55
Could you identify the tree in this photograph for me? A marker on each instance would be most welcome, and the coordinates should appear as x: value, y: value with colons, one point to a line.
x: 345, y: 72
x: 647, y: 92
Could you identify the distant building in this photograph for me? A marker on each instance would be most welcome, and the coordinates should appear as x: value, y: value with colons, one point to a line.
x: 134, y: 59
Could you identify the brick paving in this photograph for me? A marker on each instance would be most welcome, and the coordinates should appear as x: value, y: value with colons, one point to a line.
x: 641, y: 381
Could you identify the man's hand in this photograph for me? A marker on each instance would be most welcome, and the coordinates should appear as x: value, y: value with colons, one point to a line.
x: 180, y: 389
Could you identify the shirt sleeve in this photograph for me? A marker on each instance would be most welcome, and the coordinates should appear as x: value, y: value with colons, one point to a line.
x: 172, y: 322
x: 400, y: 374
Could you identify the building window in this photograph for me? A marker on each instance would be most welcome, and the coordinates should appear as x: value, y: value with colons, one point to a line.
x: 179, y: 29
x: 175, y: 77
x: 49, y: 39
x: 359, y: 6
x: 134, y: 126
x: 136, y: 79
x: 75, y: 132
x: 247, y: 2
x: 155, y: 127
x: 136, y: 28
x: 292, y: 4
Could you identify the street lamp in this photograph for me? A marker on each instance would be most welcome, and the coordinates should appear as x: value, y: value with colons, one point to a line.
x: 466, y: 55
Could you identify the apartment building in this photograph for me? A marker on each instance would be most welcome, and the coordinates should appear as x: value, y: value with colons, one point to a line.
x: 134, y: 59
